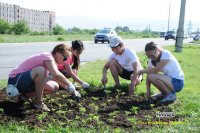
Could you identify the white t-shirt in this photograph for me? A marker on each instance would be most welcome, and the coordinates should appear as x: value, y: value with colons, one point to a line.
x: 126, y: 59
x: 172, y: 68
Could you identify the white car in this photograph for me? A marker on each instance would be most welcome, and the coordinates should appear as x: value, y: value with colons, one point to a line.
x: 104, y: 35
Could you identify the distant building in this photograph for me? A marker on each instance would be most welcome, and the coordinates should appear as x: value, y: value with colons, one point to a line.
x: 37, y: 20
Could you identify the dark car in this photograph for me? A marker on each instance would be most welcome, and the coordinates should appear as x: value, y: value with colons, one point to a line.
x: 196, y: 37
x: 170, y: 35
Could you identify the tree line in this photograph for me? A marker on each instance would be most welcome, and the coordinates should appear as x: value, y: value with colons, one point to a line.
x: 22, y: 27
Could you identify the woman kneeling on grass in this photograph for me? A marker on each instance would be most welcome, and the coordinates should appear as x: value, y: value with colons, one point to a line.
x: 172, y: 79
x: 69, y: 68
x: 30, y: 77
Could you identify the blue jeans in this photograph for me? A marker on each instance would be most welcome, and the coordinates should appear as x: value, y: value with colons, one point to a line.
x: 177, y: 84
x: 25, y: 83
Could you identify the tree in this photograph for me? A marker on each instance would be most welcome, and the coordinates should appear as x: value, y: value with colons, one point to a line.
x: 118, y: 29
x: 58, y: 30
x: 4, y: 26
x: 125, y: 29
x: 76, y: 30
x: 20, y: 28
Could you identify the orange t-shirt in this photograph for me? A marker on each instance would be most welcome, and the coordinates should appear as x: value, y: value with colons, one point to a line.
x: 68, y: 61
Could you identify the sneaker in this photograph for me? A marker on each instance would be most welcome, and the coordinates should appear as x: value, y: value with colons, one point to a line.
x: 169, y: 98
x: 41, y: 106
x: 158, y: 96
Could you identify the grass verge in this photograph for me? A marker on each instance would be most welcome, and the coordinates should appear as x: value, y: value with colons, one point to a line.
x: 186, y: 108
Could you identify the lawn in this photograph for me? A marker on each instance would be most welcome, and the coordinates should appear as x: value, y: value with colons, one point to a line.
x: 42, y: 38
x: 111, y: 110
x: 53, y: 38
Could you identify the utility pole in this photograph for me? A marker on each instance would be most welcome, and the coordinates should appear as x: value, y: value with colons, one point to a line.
x: 180, y: 30
x: 169, y: 16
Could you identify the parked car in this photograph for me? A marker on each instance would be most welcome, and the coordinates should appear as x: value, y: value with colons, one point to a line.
x: 196, y: 37
x: 162, y: 34
x: 170, y: 35
x: 104, y: 35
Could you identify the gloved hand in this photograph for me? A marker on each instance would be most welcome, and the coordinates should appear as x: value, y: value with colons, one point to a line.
x: 85, y: 85
x: 71, y: 88
x: 73, y: 91
x: 77, y: 94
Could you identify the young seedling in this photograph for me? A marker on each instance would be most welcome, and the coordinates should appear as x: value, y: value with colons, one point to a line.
x: 61, y: 112
x: 113, y: 113
x: 133, y: 120
x: 82, y: 110
x: 95, y: 98
x: 148, y: 117
x: 40, y: 117
x: 94, y: 106
x: 134, y: 109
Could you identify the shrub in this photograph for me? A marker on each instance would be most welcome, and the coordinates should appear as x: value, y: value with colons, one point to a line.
x: 60, y: 38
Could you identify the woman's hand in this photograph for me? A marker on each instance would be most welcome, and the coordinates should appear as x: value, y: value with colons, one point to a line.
x: 104, y: 80
x: 140, y: 72
x: 85, y: 85
x: 131, y: 89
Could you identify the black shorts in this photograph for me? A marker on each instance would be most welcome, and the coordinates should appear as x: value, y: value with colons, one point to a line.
x: 25, y: 83
x: 126, y: 74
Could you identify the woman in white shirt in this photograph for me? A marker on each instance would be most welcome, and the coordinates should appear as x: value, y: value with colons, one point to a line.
x: 172, y: 79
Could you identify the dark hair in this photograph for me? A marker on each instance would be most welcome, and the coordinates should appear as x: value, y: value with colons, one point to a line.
x: 151, y: 46
x: 77, y: 45
x: 61, y: 48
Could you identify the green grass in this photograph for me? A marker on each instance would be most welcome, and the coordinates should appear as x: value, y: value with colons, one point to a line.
x: 188, y: 99
x: 41, y: 38
x: 52, y: 38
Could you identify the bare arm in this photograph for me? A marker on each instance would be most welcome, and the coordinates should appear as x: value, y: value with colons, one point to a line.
x: 72, y: 74
x: 156, y: 69
x: 104, y: 79
x: 133, y: 78
x: 52, y: 67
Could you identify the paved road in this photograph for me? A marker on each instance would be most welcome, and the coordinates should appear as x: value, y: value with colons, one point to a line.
x: 13, y: 54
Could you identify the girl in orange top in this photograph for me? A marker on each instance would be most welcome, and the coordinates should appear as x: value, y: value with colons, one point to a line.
x: 69, y: 68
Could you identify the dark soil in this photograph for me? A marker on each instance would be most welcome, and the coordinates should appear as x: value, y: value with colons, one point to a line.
x: 95, y: 109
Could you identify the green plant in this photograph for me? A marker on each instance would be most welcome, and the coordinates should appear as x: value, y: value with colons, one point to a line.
x: 148, y: 117
x: 95, y: 98
x: 133, y: 120
x: 82, y: 110
x: 40, y: 117
x: 61, y: 112
x: 94, y: 106
x: 113, y: 113
x: 60, y: 38
x: 134, y: 109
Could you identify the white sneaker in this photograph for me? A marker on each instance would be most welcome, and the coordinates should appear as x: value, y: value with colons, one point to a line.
x: 158, y: 96
x: 41, y: 106
x: 171, y: 97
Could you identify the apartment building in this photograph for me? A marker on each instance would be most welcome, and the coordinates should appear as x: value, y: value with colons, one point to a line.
x: 37, y: 20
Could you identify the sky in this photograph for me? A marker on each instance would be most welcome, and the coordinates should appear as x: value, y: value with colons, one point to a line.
x: 115, y: 10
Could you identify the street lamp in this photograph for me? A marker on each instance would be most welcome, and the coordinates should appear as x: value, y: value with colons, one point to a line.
x: 169, y: 16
